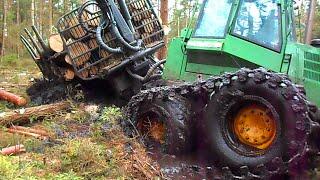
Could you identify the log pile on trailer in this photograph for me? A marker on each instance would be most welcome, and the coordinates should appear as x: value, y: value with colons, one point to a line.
x: 76, y: 50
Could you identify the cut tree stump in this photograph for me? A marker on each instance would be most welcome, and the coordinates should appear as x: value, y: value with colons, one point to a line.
x: 24, y: 115
x: 10, y: 97
x: 55, y: 43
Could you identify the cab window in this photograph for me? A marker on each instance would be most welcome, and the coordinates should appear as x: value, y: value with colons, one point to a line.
x: 213, y: 18
x: 259, y: 21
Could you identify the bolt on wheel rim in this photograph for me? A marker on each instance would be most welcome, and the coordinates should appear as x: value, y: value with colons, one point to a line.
x: 254, y: 126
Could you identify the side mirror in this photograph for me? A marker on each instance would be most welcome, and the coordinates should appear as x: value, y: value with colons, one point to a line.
x: 315, y: 43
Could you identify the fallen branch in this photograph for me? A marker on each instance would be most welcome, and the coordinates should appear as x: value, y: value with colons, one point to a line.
x: 143, y: 171
x: 10, y: 97
x: 13, y: 150
x: 38, y: 136
x: 31, y: 130
x: 11, y: 85
x: 24, y: 115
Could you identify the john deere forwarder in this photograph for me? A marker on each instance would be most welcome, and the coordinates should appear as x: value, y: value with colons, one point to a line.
x: 254, y: 123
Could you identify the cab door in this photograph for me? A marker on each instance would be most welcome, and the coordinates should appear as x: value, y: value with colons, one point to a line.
x: 256, y: 33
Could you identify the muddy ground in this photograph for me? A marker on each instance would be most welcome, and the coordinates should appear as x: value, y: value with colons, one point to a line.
x: 87, y: 141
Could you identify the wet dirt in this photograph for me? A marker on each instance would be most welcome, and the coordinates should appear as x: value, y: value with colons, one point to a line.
x: 97, y: 92
x: 193, y: 165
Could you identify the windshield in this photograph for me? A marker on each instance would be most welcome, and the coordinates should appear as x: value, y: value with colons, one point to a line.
x: 213, y: 18
x: 259, y: 21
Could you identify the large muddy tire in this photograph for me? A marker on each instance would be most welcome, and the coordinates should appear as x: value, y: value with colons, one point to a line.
x: 165, y: 121
x: 279, y: 115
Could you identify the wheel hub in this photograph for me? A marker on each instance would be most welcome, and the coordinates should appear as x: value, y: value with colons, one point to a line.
x: 255, y: 127
x: 150, y: 125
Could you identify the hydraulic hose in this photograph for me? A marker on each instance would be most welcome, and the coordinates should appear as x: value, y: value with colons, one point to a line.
x: 108, y: 9
x: 149, y: 75
x: 116, y: 32
x: 102, y: 43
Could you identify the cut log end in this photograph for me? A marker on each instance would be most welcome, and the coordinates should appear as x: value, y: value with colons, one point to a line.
x: 10, y: 97
x: 69, y: 75
x: 68, y: 59
x: 56, y: 43
x: 13, y: 150
x: 77, y: 51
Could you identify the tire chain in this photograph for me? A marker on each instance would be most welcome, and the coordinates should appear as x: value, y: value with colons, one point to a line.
x: 213, y: 84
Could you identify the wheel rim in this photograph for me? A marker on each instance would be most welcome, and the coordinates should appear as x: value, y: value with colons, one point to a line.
x: 254, y: 126
x: 150, y: 124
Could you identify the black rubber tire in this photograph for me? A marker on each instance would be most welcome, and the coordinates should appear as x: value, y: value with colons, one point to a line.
x: 174, y: 112
x: 293, y: 123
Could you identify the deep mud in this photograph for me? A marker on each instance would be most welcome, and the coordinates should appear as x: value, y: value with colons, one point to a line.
x: 97, y: 92
x: 189, y: 166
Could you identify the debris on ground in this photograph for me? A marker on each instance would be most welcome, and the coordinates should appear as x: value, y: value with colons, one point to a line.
x: 36, y: 133
x: 79, y: 137
x: 13, y: 150
x: 24, y: 115
x: 10, y: 97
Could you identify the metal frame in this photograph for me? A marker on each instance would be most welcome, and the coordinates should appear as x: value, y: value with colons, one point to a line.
x: 111, y: 38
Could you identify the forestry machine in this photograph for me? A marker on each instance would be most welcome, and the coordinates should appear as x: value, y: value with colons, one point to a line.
x: 253, y: 121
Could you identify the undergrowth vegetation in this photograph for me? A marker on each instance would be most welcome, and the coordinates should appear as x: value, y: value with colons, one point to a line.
x: 86, y: 142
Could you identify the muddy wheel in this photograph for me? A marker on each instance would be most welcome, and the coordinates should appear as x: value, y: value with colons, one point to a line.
x: 166, y: 122
x: 257, y: 123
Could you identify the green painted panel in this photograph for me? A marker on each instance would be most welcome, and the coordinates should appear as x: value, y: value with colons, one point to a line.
x: 205, y: 44
x: 253, y: 53
x: 207, y: 69
x: 313, y: 91
x: 175, y: 59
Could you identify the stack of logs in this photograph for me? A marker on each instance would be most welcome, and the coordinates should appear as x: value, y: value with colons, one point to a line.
x: 83, y: 48
x: 60, y: 57
x: 144, y: 21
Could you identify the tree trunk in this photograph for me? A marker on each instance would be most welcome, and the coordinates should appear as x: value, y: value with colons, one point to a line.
x: 18, y: 23
x: 65, y: 6
x: 50, y: 16
x: 23, y: 116
x: 17, y: 100
x: 33, y: 13
x: 5, y: 28
x: 164, y: 17
x: 310, y: 21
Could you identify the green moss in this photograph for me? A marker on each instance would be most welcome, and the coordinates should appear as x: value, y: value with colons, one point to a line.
x: 12, y: 167
x: 65, y: 176
x: 111, y: 115
x: 11, y: 170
